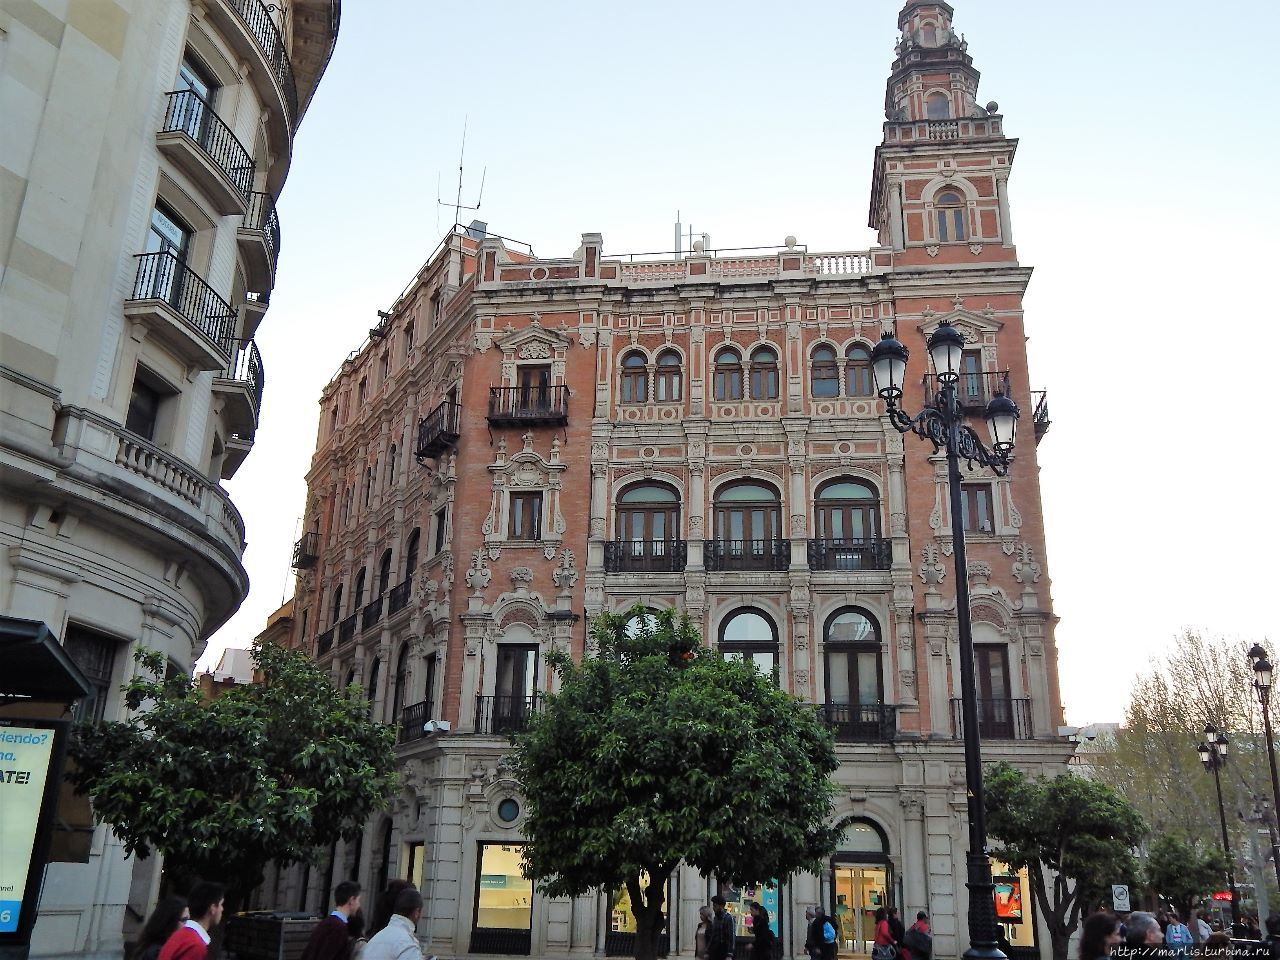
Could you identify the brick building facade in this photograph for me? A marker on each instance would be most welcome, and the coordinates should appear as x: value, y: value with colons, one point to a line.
x: 523, y: 443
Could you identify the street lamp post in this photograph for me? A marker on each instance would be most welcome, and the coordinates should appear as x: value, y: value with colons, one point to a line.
x: 943, y: 425
x: 1262, y: 687
x: 1213, y: 754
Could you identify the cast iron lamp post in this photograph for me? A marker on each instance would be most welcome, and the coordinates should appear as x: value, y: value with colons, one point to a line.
x: 1262, y: 687
x: 1213, y: 754
x: 943, y: 424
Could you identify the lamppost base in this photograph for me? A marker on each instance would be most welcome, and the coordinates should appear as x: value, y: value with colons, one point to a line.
x: 982, y: 910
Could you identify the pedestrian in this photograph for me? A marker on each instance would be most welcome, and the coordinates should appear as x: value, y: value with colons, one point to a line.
x: 830, y: 947
x: 386, y: 905
x: 398, y: 940
x: 169, y: 914
x: 1177, y: 936
x: 1200, y: 930
x: 1099, y: 934
x: 191, y: 940
x: 813, y: 933
x: 721, y: 938
x: 355, y: 930
x: 895, y: 925
x: 917, y: 942
x: 1142, y: 934
x: 762, y: 948
x: 884, y: 948
x: 331, y: 940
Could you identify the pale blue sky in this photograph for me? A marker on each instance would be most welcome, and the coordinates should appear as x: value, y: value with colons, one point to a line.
x: 1140, y: 195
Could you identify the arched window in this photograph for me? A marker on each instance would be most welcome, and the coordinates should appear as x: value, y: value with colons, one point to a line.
x: 728, y: 375
x: 337, y: 605
x: 950, y: 209
x: 391, y: 466
x: 384, y: 572
x: 668, y: 379
x: 937, y: 105
x: 854, y: 682
x: 764, y: 374
x: 847, y: 521
x: 351, y: 678
x: 375, y: 669
x: 358, y: 599
x: 824, y: 377
x: 748, y: 528
x: 411, y: 553
x: 641, y: 621
x: 750, y: 636
x: 648, y: 523
x: 857, y: 372
x: 929, y: 35
x: 635, y: 379
x: 400, y: 683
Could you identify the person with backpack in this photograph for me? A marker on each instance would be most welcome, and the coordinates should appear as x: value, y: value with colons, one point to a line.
x: 918, y: 940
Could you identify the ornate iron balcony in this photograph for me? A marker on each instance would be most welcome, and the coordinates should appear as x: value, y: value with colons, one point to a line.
x: 973, y: 390
x: 371, y: 613
x: 257, y: 17
x: 398, y: 597
x: 861, y: 722
x: 189, y: 113
x: 439, y: 430
x: 306, y: 551
x: 1002, y: 718
x: 517, y: 406
x: 162, y: 276
x: 324, y: 642
x: 645, y: 556
x: 347, y: 629
x: 412, y: 719
x: 1040, y: 418
x: 871, y: 553
x: 746, y: 554
x: 504, y: 714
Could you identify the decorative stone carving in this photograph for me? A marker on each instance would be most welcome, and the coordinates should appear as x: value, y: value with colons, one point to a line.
x: 695, y: 527
x: 565, y: 576
x: 521, y: 577
x: 913, y: 804
x: 597, y: 527
x: 897, y: 524
x: 975, y: 248
x: 802, y: 678
x: 931, y: 569
x: 979, y: 572
x: 587, y: 337
x: 479, y: 575
x: 797, y: 524
x: 1025, y: 569
x: 932, y: 249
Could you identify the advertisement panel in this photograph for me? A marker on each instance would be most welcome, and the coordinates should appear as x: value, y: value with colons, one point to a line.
x: 30, y: 765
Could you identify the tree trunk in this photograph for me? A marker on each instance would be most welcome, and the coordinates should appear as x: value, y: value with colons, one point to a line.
x: 1061, y: 943
x: 650, y: 920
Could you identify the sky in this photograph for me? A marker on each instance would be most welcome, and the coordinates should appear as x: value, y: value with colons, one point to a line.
x: 1140, y: 195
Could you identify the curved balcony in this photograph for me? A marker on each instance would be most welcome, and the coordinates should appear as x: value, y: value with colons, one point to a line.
x: 259, y: 240
x: 306, y: 551
x: 182, y: 311
x: 240, y: 383
x: 197, y: 141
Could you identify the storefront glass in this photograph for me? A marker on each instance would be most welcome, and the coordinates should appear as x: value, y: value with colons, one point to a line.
x: 736, y: 900
x: 859, y: 892
x: 504, y: 899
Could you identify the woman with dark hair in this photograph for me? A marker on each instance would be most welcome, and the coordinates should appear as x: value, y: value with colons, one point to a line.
x: 1099, y: 933
x: 884, y: 948
x: 168, y: 916
x: 355, y: 930
x: 386, y: 905
x: 762, y: 949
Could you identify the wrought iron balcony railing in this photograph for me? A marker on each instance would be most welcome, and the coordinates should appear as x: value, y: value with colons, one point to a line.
x: 861, y: 722
x: 504, y: 714
x: 347, y: 629
x: 973, y: 390
x: 514, y: 406
x: 871, y: 553
x: 398, y: 596
x: 324, y: 642
x: 746, y: 554
x: 245, y: 366
x: 163, y: 276
x: 263, y: 218
x: 1040, y: 417
x: 998, y: 719
x: 371, y: 613
x: 306, y: 551
x: 191, y: 114
x: 645, y: 556
x: 439, y: 430
x: 412, y: 719
x: 257, y: 17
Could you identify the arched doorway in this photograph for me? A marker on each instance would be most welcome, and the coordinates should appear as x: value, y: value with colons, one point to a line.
x: 861, y: 882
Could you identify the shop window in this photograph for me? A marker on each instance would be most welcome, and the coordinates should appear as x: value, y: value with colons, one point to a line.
x: 737, y: 901
x: 950, y: 210
x: 977, y: 511
x: 937, y: 105
x: 862, y: 882
x: 635, y: 379
x: 824, y: 377
x: 95, y: 654
x: 764, y: 374
x: 751, y: 637
x: 525, y: 519
x: 620, y: 934
x: 1015, y: 906
x: 503, y: 902
x: 728, y: 375
x: 669, y: 377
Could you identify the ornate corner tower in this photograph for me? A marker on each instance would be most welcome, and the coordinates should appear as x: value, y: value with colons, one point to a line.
x: 938, y: 189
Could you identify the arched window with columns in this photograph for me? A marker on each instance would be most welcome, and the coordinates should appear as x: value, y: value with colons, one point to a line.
x: 727, y: 379
x: 764, y: 374
x: 669, y: 378
x: 635, y: 378
x: 846, y: 517
x: 824, y: 376
x: 748, y: 529
x: 950, y: 209
x: 751, y: 636
x: 857, y: 372
x: 647, y: 529
x: 854, y: 679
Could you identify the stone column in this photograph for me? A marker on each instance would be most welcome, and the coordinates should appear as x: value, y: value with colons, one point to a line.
x: 895, y: 216
x: 1002, y: 197
x: 915, y: 869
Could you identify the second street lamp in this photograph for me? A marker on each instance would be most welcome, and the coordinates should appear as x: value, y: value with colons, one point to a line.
x: 1262, y: 687
x: 943, y: 425
x: 1213, y: 754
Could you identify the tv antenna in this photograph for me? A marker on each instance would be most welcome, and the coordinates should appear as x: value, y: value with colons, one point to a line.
x: 458, y: 205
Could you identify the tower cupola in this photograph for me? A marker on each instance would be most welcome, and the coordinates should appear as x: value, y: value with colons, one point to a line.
x: 933, y: 77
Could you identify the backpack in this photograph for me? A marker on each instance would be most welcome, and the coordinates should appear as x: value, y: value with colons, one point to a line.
x: 918, y: 942
x: 828, y: 933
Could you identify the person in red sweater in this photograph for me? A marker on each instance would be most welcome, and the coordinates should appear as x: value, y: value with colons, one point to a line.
x: 331, y: 939
x: 191, y: 940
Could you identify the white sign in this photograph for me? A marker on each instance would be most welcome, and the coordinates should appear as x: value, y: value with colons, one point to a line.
x: 24, y: 766
x: 1120, y: 898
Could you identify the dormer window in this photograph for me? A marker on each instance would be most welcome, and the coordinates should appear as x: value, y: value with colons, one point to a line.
x: 950, y: 209
x: 937, y: 105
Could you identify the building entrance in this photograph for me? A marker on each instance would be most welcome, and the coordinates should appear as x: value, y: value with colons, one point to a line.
x: 859, y: 891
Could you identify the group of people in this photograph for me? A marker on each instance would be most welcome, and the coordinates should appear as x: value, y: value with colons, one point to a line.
x: 893, y: 941
x: 717, y: 936
x: 179, y: 927
x: 1163, y: 934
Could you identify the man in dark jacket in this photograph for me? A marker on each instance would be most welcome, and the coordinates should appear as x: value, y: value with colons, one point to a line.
x: 330, y: 940
x: 720, y: 938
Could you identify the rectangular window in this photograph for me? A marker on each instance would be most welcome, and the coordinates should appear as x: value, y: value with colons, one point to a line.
x: 144, y: 410
x: 976, y: 506
x: 95, y: 654
x: 408, y: 337
x: 413, y: 863
x: 526, y: 517
x: 429, y: 691
x: 504, y: 898
x: 440, y: 525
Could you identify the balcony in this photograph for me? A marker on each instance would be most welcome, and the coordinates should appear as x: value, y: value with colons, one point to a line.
x: 973, y: 390
x: 197, y: 141
x: 746, y: 554
x: 861, y: 722
x: 412, y: 720
x: 248, y: 26
x: 504, y: 715
x: 371, y: 614
x: 438, y: 430
x: 998, y: 719
x: 182, y: 311
x: 240, y: 384
x: 645, y: 556
x: 259, y: 240
x: 324, y: 642
x: 1040, y: 417
x: 873, y: 553
x: 398, y: 597
x: 528, y: 406
x: 347, y: 630
x: 306, y: 551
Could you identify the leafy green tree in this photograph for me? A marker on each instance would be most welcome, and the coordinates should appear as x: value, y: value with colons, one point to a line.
x: 1182, y: 873
x: 271, y: 770
x: 655, y: 750
x: 1080, y: 830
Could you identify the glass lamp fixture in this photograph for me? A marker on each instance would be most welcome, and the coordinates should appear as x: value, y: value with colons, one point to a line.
x: 889, y: 366
x: 1205, y: 753
x: 946, y: 348
x: 1002, y: 422
x: 1262, y: 674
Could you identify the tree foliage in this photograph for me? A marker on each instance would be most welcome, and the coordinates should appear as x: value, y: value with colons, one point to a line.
x: 1080, y: 830
x: 1182, y: 873
x: 655, y: 750
x: 267, y: 771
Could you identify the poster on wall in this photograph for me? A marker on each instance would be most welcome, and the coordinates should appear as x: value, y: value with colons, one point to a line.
x: 30, y: 765
x: 1008, y: 899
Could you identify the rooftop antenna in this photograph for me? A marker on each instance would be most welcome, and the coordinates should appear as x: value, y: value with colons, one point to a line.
x: 457, y: 204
